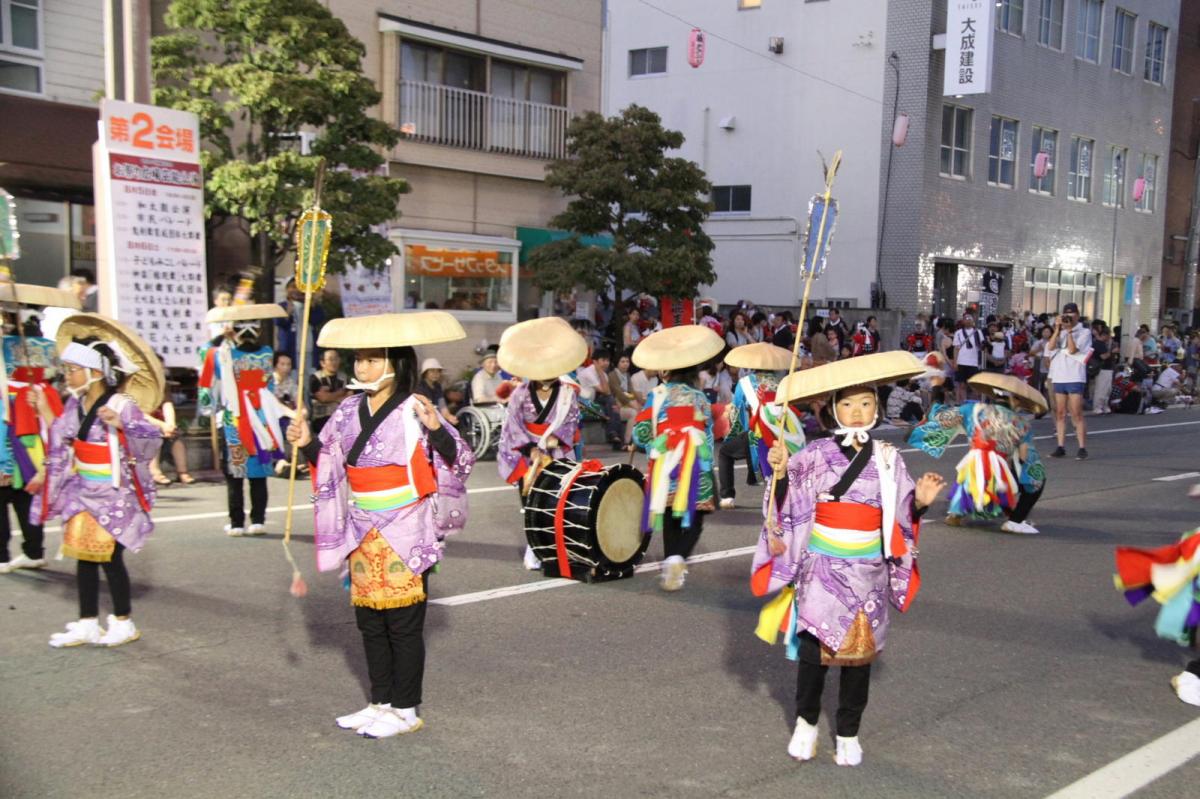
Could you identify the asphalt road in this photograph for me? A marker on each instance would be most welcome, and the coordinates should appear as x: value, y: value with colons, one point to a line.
x: 1018, y: 671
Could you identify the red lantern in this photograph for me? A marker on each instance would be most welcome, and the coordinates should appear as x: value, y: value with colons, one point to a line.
x: 1139, y: 189
x: 696, y: 48
x: 900, y: 130
x: 1041, y: 165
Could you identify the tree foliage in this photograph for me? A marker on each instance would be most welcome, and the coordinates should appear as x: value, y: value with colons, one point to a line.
x: 621, y: 183
x: 253, y: 70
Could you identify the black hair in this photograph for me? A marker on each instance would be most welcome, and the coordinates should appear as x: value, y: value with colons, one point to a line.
x: 816, y: 325
x: 758, y: 318
x: 282, y: 354
x: 689, y: 375
x: 403, y: 363
x: 598, y: 354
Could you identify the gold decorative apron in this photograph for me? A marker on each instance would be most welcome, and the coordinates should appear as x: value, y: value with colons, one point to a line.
x: 380, y: 579
x: 85, y: 539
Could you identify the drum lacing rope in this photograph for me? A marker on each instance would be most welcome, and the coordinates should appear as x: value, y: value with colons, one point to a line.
x: 560, y: 541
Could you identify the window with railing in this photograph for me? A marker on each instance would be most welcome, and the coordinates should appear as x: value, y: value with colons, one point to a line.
x: 481, y: 103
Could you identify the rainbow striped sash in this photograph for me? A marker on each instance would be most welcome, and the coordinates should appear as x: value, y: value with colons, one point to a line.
x: 92, y: 461
x: 379, y: 489
x: 847, y: 530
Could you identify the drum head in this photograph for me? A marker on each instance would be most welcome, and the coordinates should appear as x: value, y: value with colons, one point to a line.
x: 619, y: 520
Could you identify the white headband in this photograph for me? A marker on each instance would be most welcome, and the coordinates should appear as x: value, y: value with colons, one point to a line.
x: 87, y: 356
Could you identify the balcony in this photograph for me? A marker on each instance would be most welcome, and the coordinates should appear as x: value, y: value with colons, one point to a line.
x: 472, y: 120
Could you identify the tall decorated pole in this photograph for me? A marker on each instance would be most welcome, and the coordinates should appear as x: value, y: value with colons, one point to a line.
x: 312, y: 251
x: 822, y: 217
x: 10, y: 250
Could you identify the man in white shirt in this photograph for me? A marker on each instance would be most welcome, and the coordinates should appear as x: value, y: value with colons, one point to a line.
x: 595, y: 389
x: 968, y: 346
x: 1069, y: 348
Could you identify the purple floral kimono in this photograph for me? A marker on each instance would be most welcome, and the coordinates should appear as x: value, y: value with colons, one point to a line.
x: 530, y: 424
x: 116, y: 507
x: 415, y: 532
x: 831, y: 590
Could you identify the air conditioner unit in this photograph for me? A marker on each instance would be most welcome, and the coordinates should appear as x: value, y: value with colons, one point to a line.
x: 775, y: 44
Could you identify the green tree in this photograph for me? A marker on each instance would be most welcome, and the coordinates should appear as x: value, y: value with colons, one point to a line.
x: 255, y: 70
x: 621, y: 183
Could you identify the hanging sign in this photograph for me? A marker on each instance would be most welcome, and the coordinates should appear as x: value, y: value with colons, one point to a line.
x: 970, y: 32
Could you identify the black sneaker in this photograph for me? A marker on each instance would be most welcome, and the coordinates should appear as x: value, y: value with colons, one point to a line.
x: 1059, y: 452
x: 1082, y: 454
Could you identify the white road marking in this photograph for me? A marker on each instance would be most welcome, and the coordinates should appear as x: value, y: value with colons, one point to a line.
x: 1139, y: 768
x: 1173, y: 477
x: 561, y: 582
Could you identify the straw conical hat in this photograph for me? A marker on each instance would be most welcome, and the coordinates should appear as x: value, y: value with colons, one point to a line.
x: 380, y: 331
x: 147, y: 384
x: 245, y: 313
x: 678, y: 348
x: 541, y: 349
x: 1018, y: 389
x: 763, y: 356
x: 30, y: 294
x: 865, y: 370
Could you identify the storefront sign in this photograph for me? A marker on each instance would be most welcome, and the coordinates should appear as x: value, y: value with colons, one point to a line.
x: 437, y: 262
x: 970, y: 31
x: 150, y: 226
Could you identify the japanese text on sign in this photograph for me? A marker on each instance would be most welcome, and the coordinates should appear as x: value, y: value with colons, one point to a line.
x: 970, y: 26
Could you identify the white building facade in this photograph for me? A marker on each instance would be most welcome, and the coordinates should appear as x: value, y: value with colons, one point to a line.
x: 782, y: 84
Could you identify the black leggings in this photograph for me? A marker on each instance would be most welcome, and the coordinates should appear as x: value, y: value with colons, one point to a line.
x: 678, y: 540
x: 853, y: 690
x: 88, y: 580
x: 20, y: 500
x: 394, y: 641
x: 237, y: 507
x: 734, y: 448
x: 1025, y: 502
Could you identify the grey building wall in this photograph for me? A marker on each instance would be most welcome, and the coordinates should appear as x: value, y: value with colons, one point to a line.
x: 930, y: 217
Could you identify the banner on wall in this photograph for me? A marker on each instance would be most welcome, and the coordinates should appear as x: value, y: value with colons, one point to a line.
x: 989, y: 294
x: 150, y: 226
x: 366, y: 291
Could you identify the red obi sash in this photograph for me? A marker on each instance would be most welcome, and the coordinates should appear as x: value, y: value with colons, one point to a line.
x: 522, y: 466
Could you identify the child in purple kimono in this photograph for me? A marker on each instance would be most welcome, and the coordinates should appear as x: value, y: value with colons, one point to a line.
x: 97, y: 480
x: 845, y: 537
x: 390, y: 486
x: 543, y: 416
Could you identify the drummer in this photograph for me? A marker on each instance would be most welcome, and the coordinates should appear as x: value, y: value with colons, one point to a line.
x: 841, y: 527
x: 676, y: 430
x: 542, y: 423
x: 754, y: 416
x: 1001, y: 474
x: 384, y: 452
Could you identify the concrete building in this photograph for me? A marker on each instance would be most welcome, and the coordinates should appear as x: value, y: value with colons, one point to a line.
x: 52, y: 72
x: 482, y: 92
x: 782, y: 84
x: 1087, y: 82
x: 1182, y: 171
